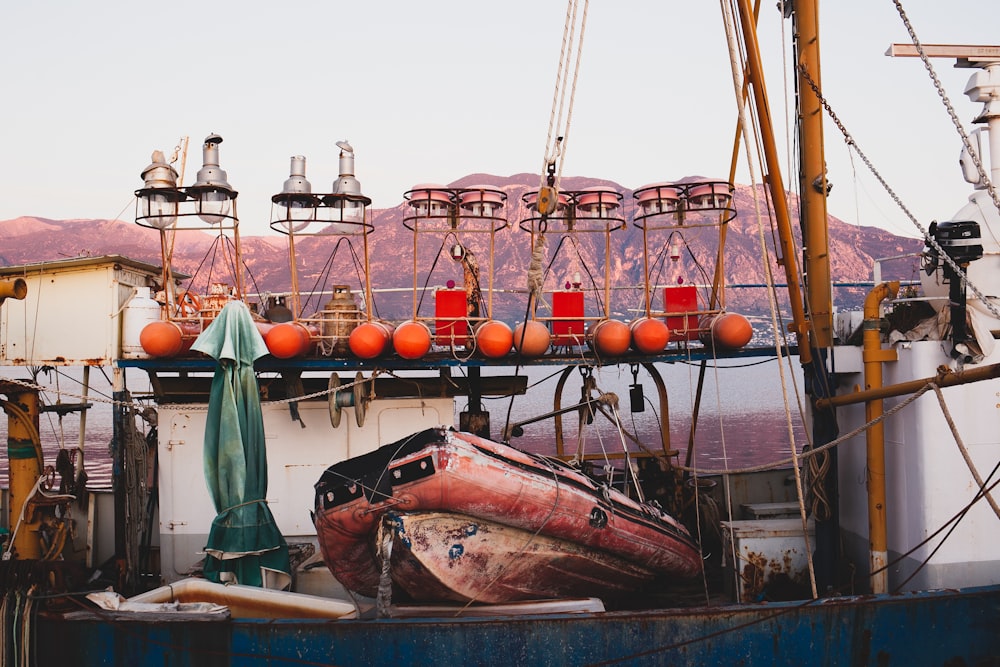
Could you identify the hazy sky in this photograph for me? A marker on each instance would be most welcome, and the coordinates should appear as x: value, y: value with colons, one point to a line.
x: 432, y: 91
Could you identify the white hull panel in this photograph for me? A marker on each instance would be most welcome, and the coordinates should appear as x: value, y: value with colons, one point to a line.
x: 927, y: 480
x: 296, y: 457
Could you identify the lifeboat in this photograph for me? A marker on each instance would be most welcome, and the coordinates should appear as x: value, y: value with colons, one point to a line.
x: 457, y: 473
x: 444, y: 556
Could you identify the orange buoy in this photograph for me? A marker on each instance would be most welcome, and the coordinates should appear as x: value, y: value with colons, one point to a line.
x: 609, y: 337
x: 287, y: 340
x: 370, y: 339
x: 412, y: 339
x: 531, y: 338
x: 649, y: 336
x: 730, y: 331
x: 161, y: 339
x: 494, y: 339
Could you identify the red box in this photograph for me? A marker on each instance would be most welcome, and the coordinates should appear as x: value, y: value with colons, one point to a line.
x: 568, y: 304
x: 450, y: 312
x: 681, y: 299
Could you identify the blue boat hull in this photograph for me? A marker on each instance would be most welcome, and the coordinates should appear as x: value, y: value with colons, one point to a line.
x: 928, y: 628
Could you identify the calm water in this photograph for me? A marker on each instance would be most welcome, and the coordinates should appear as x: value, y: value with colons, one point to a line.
x: 742, y: 415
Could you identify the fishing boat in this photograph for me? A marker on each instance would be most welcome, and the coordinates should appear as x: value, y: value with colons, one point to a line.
x: 463, y: 474
x: 839, y: 554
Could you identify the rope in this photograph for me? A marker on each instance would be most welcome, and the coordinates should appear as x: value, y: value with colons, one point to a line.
x: 962, y: 448
x: 928, y: 239
x: 35, y: 490
x: 628, y: 459
x: 136, y: 465
x: 558, y: 133
x: 188, y: 406
x: 951, y: 525
x: 816, y: 451
x: 947, y: 104
x: 527, y: 543
x: 28, y: 425
x: 744, y: 123
x: 383, y: 596
x: 536, y: 276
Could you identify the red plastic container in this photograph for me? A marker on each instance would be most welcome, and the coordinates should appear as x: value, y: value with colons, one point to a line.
x: 450, y: 325
x: 681, y: 299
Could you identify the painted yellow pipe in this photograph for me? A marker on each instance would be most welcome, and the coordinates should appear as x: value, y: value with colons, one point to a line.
x: 13, y: 289
x: 25, y: 469
x: 874, y: 356
x: 946, y: 377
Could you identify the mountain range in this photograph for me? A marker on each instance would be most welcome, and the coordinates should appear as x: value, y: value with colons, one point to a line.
x: 569, y: 258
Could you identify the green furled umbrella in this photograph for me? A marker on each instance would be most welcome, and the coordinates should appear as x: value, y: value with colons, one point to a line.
x: 244, y: 543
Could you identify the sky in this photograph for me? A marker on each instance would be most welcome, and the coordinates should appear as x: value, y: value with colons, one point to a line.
x: 433, y: 91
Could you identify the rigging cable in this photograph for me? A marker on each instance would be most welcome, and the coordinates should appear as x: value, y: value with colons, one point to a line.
x: 947, y: 103
x: 738, y: 85
x: 558, y: 133
x: 555, y: 146
x: 928, y: 239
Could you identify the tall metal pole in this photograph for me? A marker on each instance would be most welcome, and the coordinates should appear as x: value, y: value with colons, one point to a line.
x: 812, y: 316
x: 813, y: 189
x: 755, y: 75
x: 812, y: 176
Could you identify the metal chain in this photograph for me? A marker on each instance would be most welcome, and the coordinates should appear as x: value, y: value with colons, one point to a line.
x: 187, y: 406
x: 928, y: 239
x: 947, y: 104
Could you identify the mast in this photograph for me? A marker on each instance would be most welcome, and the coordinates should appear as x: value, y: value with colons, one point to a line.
x: 811, y: 311
x: 813, y: 190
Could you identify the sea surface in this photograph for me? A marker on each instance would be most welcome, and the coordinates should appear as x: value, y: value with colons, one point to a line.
x: 742, y: 417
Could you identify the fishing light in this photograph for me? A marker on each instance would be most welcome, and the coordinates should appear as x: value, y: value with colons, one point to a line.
x: 676, y: 243
x: 159, y: 197
x: 213, y: 194
x: 481, y: 200
x: 658, y: 198
x: 346, y: 198
x: 429, y: 200
x: 709, y: 196
x: 296, y: 205
x: 598, y: 202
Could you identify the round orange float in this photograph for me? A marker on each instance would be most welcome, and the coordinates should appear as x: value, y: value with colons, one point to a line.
x: 649, y: 336
x: 730, y: 331
x: 161, y: 339
x: 287, y: 340
x: 609, y: 337
x: 531, y: 339
x: 370, y: 339
x: 412, y: 339
x: 494, y: 339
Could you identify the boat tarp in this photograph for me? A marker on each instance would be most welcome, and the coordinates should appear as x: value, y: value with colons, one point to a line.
x: 245, y: 545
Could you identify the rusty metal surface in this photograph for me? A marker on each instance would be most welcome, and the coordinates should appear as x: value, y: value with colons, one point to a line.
x: 934, y: 628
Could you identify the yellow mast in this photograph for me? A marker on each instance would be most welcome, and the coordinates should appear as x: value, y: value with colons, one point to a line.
x: 812, y: 316
x: 755, y: 74
x: 814, y: 186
